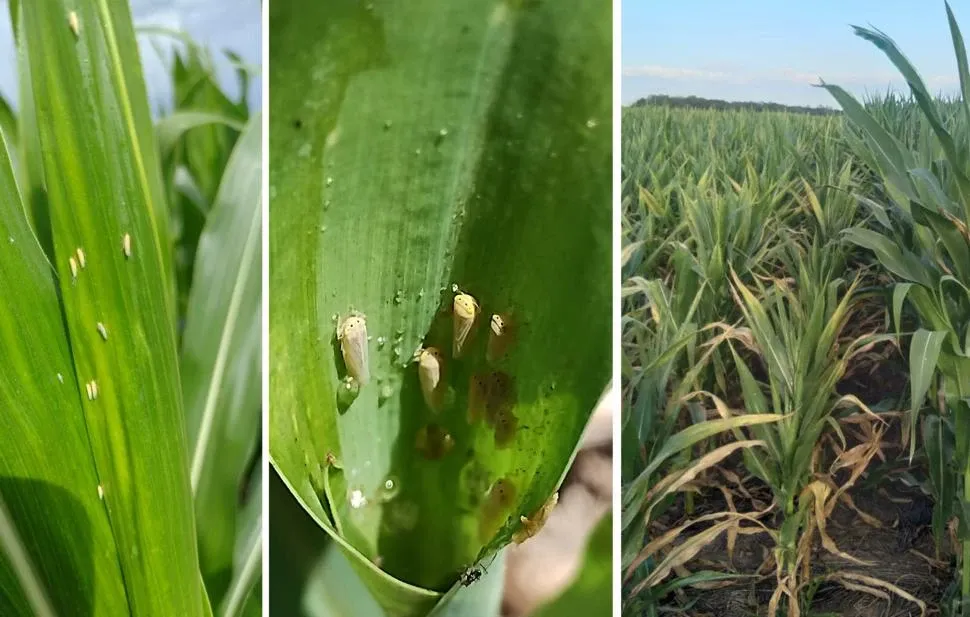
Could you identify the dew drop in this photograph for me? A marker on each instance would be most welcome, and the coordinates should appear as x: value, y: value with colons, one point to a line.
x: 347, y: 392
x: 385, y: 392
x: 390, y: 489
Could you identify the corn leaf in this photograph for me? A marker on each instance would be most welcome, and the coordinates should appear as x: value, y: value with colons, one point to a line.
x: 103, y: 184
x: 476, y: 153
x: 221, y: 357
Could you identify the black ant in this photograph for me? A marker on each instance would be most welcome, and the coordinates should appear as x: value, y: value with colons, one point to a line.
x: 469, y: 576
x: 473, y: 574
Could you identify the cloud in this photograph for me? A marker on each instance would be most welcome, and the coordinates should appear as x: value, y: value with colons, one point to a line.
x: 781, y: 76
x: 667, y: 72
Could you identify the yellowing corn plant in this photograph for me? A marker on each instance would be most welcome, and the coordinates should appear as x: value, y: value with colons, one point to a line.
x: 811, y: 270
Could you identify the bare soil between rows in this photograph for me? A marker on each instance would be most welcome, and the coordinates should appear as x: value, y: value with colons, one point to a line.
x: 900, y: 551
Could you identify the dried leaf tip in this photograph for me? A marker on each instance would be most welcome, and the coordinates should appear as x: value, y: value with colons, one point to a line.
x: 352, y: 334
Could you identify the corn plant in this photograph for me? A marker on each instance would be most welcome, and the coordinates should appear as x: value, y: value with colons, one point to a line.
x: 796, y: 329
x: 405, y: 173
x: 922, y: 240
x: 658, y: 441
x: 102, y: 508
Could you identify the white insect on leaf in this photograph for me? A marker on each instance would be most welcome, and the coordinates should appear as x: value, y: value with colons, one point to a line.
x: 73, y: 267
x: 126, y: 246
x: 430, y: 364
x: 80, y: 258
x: 102, y: 331
x: 74, y: 23
x: 94, y: 390
x: 100, y: 492
x: 352, y: 334
x: 465, y: 310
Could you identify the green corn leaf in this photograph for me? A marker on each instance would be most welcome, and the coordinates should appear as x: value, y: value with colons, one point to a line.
x: 477, y: 154
x: 938, y: 441
x: 51, y: 500
x: 103, y: 184
x: 924, y: 352
x: 897, y: 260
x: 221, y: 357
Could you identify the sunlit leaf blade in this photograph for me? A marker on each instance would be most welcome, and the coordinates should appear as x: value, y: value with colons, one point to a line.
x: 102, y: 179
x: 174, y: 126
x: 221, y: 357
x: 478, y: 154
x: 245, y: 590
x: 52, y: 501
x: 12, y: 549
x: 924, y: 351
x: 30, y: 176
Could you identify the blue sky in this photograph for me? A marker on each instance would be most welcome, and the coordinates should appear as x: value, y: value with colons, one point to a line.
x: 756, y: 50
x: 217, y: 24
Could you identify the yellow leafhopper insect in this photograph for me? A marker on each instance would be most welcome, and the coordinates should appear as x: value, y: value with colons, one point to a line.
x: 430, y: 365
x: 500, y: 336
x: 352, y: 334
x: 465, y: 310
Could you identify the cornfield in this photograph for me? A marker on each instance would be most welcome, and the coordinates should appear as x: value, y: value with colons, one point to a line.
x: 796, y: 344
